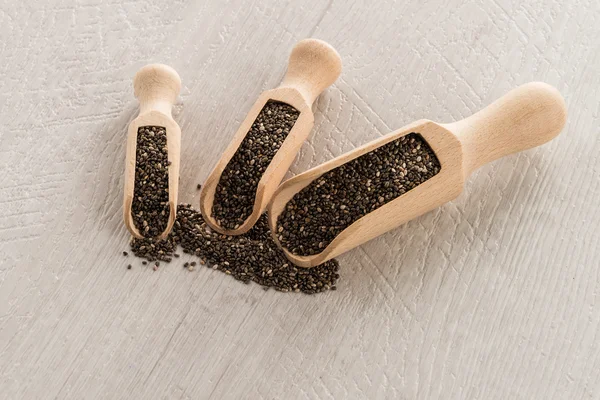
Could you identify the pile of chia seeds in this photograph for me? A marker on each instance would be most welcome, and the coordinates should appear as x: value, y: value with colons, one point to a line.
x: 253, y: 256
x: 150, y: 207
x: 332, y: 202
x: 236, y: 191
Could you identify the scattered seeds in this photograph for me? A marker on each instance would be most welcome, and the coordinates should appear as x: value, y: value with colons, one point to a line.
x: 331, y: 203
x: 150, y: 207
x: 235, y: 193
x: 253, y: 256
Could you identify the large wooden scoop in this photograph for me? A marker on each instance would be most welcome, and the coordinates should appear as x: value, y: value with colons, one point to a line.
x: 313, y: 66
x: 156, y: 87
x: 527, y: 116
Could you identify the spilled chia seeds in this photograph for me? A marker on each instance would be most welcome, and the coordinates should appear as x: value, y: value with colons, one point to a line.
x: 150, y: 207
x: 332, y: 202
x: 253, y: 256
x: 236, y: 191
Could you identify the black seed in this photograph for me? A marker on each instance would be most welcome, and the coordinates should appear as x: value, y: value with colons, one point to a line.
x: 150, y: 207
x: 253, y: 256
x: 332, y: 202
x: 125, y: 253
x: 129, y: 266
x: 235, y: 193
x: 199, y: 186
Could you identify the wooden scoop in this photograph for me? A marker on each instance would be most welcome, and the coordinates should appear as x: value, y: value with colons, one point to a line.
x: 527, y: 116
x: 313, y: 66
x: 156, y: 86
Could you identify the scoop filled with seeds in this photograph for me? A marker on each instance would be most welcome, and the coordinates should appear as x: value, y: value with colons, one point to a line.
x: 242, y: 183
x: 152, y: 155
x: 356, y: 197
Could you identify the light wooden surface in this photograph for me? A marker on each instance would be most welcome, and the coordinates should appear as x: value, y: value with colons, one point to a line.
x: 495, y: 295
x: 313, y: 66
x: 527, y: 116
x: 156, y: 86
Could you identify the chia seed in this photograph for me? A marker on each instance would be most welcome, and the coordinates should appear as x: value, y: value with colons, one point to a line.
x: 150, y: 208
x: 253, y: 256
x: 332, y: 202
x: 236, y: 190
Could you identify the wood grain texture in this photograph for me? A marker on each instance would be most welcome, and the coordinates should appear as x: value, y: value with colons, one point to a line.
x: 313, y: 66
x: 156, y: 86
x: 493, y: 296
x: 526, y: 117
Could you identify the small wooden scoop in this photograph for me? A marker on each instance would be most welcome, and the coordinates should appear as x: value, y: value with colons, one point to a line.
x: 527, y: 116
x: 313, y: 66
x: 156, y: 86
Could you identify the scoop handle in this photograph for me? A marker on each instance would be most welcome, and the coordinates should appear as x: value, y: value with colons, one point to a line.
x: 525, y: 117
x: 156, y: 86
x: 313, y: 66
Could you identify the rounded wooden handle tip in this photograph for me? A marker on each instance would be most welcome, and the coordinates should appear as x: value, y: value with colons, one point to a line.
x: 527, y: 116
x: 313, y: 66
x: 156, y: 83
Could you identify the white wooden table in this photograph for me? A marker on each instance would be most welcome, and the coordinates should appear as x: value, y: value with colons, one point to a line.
x: 493, y: 296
